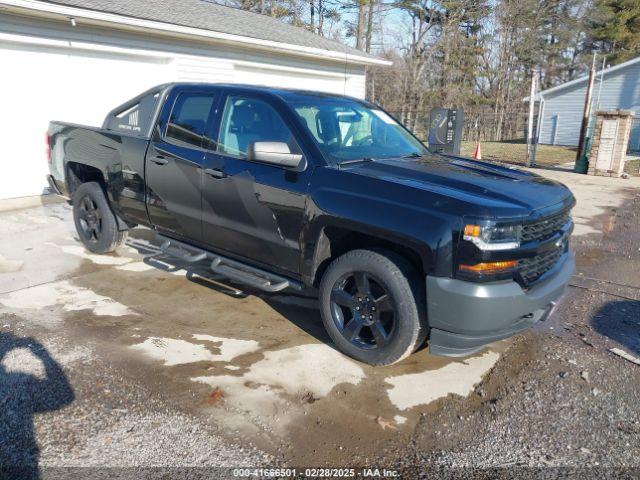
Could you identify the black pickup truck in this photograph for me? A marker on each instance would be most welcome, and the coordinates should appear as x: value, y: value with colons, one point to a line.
x: 329, y: 196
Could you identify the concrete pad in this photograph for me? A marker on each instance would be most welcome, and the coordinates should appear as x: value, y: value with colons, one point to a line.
x: 596, y: 197
x: 10, y: 204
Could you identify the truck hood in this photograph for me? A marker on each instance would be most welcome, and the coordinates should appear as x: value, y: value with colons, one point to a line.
x: 464, y: 178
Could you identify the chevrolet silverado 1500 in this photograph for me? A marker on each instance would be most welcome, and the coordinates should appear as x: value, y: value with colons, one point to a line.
x: 329, y: 196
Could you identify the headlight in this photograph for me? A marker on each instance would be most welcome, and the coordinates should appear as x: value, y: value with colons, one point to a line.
x: 490, y: 235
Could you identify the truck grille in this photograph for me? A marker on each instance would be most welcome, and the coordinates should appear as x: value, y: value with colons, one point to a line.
x: 542, y: 229
x: 531, y: 269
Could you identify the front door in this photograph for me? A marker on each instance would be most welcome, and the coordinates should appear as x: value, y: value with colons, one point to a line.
x: 174, y: 163
x: 250, y: 209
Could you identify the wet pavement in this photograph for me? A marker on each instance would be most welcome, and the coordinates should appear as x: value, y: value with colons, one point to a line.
x: 155, y: 364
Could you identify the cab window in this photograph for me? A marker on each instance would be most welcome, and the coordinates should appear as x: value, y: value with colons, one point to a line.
x: 188, y: 118
x: 246, y: 120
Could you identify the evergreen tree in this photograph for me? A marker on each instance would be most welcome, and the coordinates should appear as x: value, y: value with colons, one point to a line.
x: 616, y: 29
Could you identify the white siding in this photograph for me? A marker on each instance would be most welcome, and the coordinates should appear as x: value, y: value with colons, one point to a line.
x: 620, y: 89
x: 54, y: 71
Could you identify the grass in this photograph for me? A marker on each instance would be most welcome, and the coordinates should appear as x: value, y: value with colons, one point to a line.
x: 632, y: 166
x: 516, y: 152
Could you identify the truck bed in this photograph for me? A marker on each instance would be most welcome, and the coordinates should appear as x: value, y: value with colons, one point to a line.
x: 117, y: 158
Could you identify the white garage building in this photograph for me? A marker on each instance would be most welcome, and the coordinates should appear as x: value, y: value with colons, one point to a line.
x: 74, y: 60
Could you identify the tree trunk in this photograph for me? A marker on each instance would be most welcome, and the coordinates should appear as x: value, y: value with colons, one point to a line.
x: 369, y: 26
x: 312, y: 15
x: 320, y: 17
x: 362, y: 13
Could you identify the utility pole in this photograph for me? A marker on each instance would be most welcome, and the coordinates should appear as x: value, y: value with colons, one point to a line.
x: 531, y: 149
x: 604, y: 59
x: 586, y: 113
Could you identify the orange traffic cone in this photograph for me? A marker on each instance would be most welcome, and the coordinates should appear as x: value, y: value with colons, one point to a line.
x: 478, y: 153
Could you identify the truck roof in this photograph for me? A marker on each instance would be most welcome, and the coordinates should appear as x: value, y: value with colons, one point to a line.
x: 286, y: 93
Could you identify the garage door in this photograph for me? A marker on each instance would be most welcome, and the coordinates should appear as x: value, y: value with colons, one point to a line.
x: 40, y: 84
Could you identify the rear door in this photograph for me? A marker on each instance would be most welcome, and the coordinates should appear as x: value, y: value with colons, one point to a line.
x: 175, y: 159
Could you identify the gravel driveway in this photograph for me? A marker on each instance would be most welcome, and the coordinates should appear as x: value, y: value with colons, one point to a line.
x: 133, y: 360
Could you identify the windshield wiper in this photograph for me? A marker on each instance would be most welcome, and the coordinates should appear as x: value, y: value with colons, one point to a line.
x: 414, y: 155
x: 357, y: 160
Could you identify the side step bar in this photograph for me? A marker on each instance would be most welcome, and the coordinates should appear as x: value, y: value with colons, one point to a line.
x: 233, y: 269
x: 193, y: 257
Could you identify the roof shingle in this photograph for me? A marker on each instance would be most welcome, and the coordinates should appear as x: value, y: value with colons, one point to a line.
x: 207, y: 15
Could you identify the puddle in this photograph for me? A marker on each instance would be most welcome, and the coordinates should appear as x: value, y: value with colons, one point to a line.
x: 174, y: 351
x: 460, y: 378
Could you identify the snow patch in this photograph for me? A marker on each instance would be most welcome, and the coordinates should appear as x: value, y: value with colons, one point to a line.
x: 230, y: 348
x: 315, y: 368
x: 174, y: 351
x: 70, y: 297
x: 81, y: 252
x: 400, y: 420
x: 422, y: 388
x: 135, y: 267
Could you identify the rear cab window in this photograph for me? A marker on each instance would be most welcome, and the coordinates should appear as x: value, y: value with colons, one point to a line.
x: 188, y: 119
x: 136, y: 118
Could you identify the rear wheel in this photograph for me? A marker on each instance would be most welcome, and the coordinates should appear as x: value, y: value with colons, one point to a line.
x: 95, y: 223
x: 369, y: 307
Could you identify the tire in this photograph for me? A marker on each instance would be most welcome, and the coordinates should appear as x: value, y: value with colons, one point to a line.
x: 95, y: 223
x: 399, y: 313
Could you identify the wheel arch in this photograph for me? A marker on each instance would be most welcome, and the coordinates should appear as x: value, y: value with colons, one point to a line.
x: 334, y: 239
x: 77, y: 173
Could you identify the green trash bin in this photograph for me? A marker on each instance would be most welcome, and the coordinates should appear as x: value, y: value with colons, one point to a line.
x: 582, y: 165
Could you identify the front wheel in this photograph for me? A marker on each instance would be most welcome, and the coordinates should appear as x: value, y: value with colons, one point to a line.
x: 369, y: 307
x: 95, y: 223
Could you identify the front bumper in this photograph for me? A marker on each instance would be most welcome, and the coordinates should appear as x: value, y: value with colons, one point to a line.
x: 465, y: 316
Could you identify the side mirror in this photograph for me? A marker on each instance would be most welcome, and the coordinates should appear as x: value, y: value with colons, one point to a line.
x: 275, y: 153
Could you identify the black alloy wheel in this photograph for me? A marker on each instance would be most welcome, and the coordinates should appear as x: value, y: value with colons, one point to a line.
x: 90, y: 219
x: 372, y: 306
x: 363, y: 310
x: 96, y: 224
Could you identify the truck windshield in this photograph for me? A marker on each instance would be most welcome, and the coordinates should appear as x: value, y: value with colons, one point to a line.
x: 349, y: 130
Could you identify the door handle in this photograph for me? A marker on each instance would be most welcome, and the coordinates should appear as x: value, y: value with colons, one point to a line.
x: 215, y: 172
x: 159, y: 160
